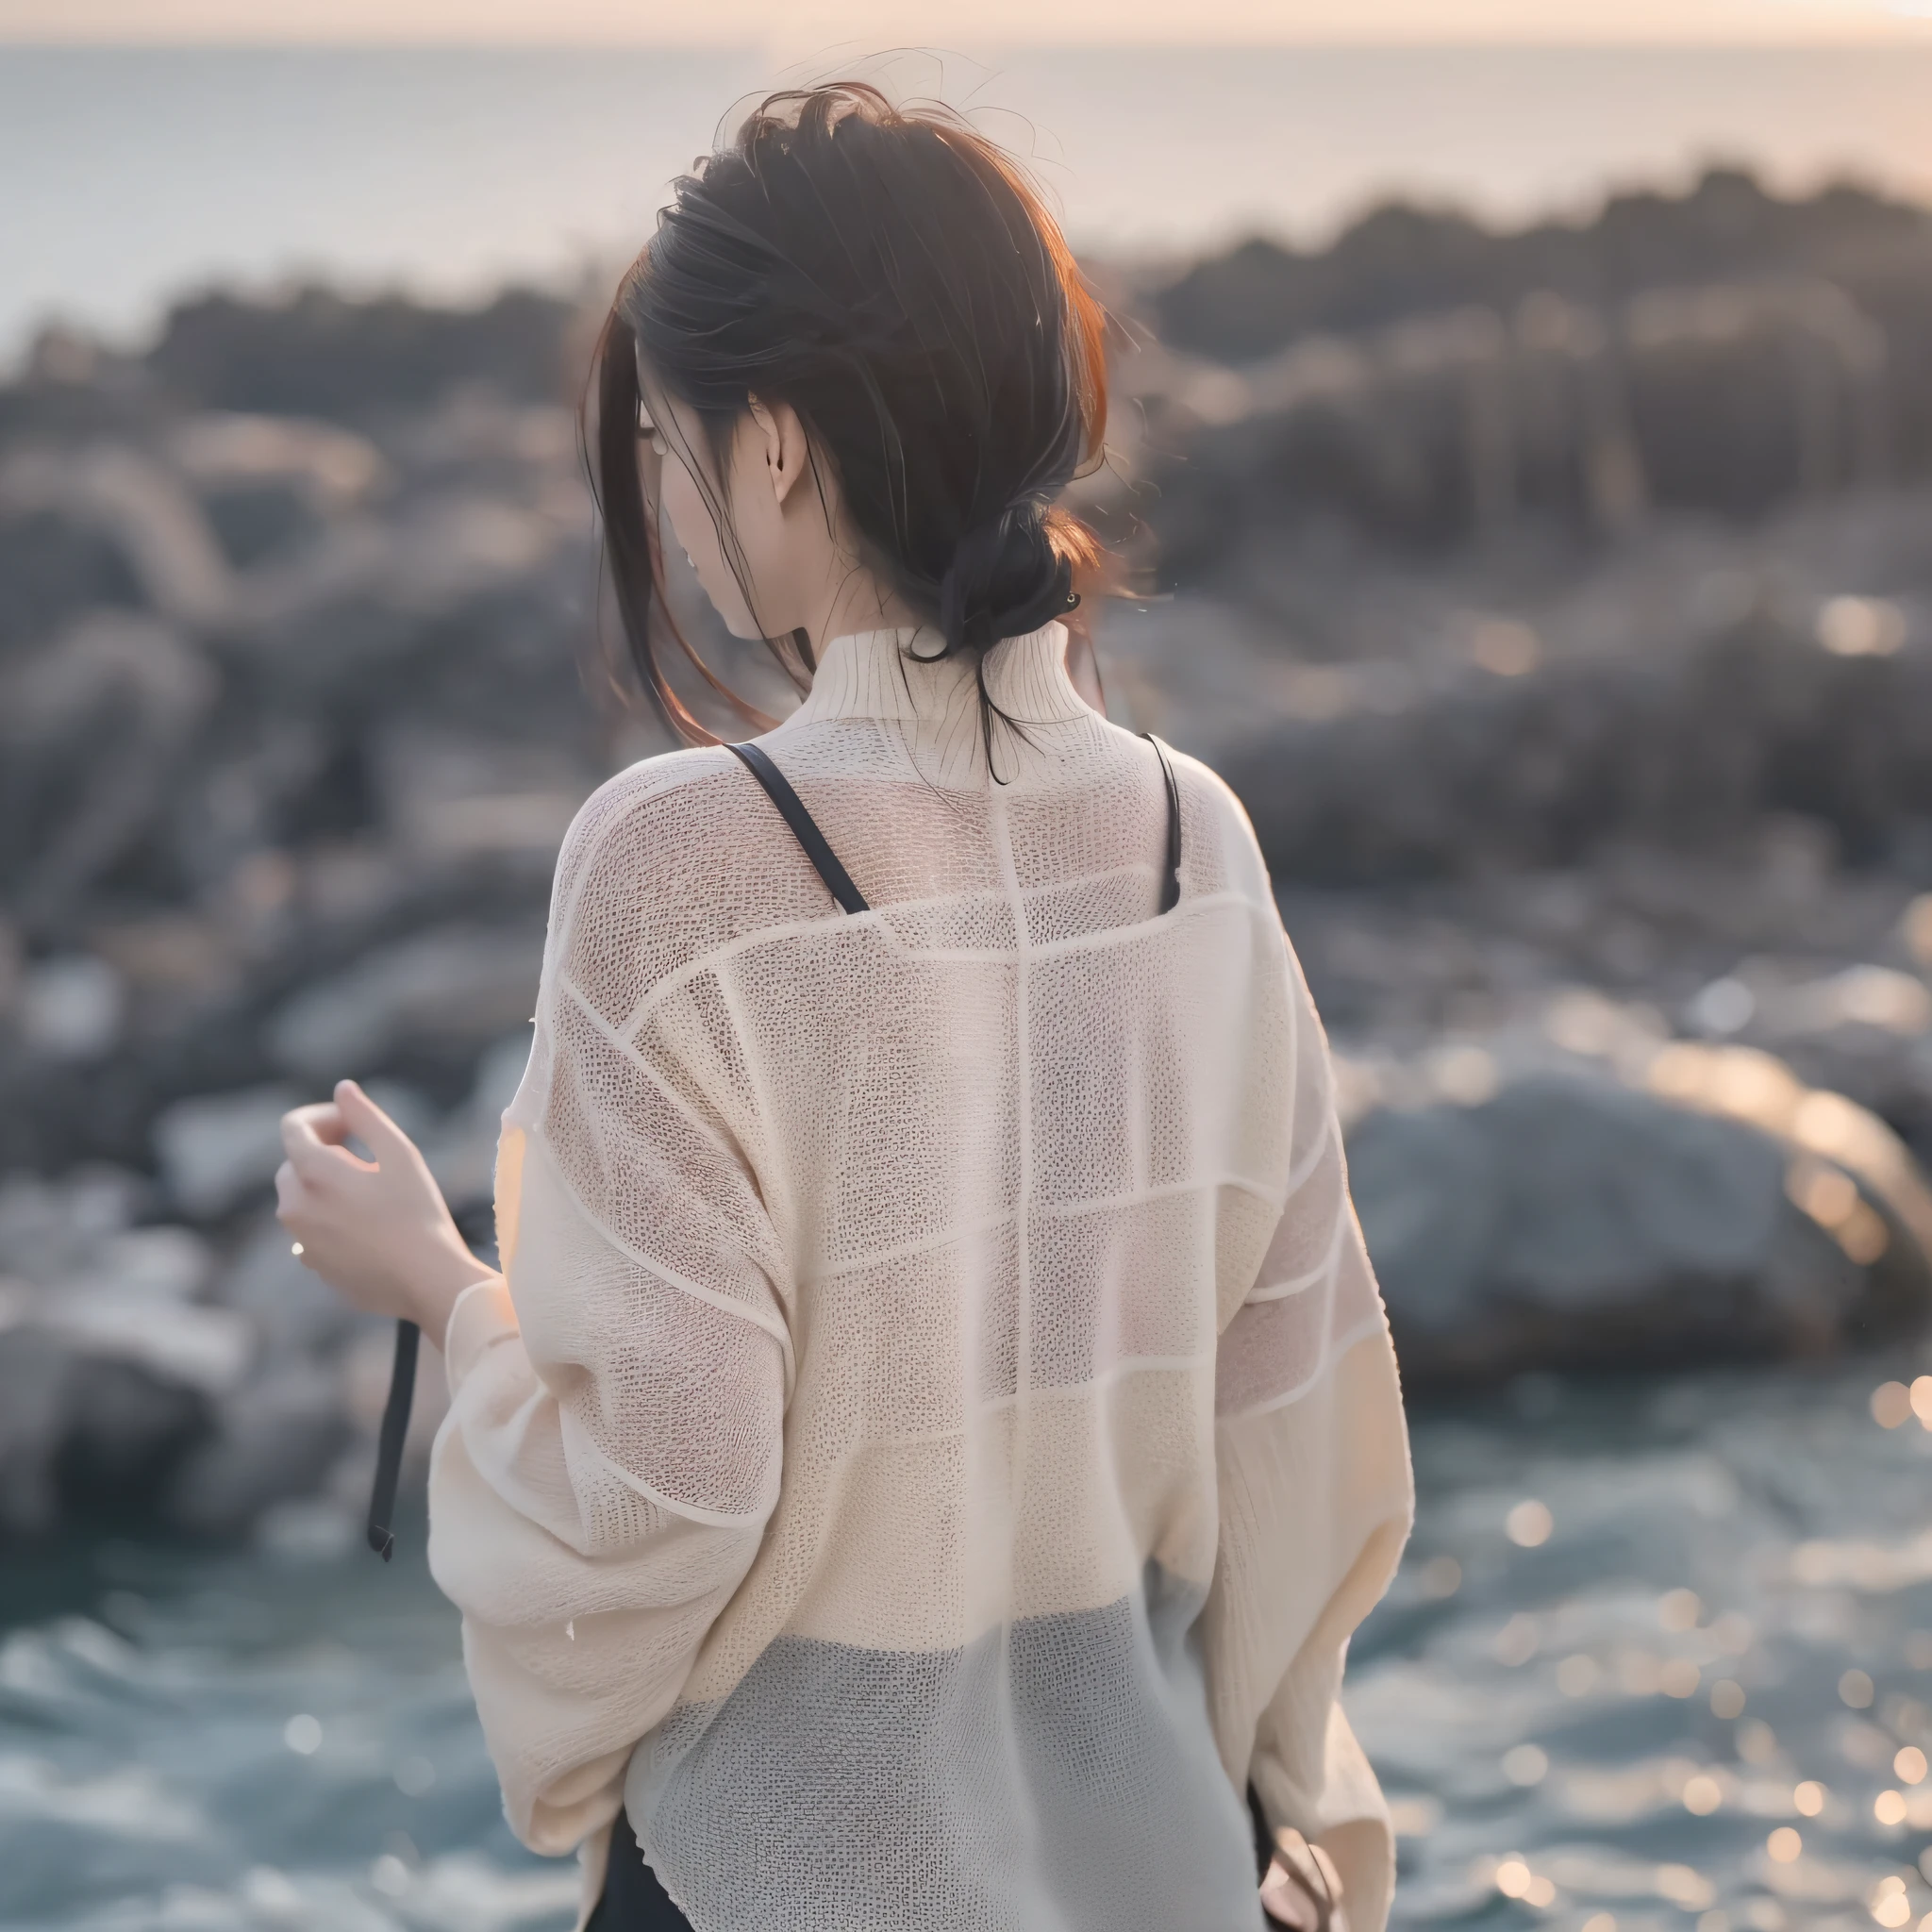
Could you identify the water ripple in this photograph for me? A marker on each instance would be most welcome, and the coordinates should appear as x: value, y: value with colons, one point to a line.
x: 1659, y: 1658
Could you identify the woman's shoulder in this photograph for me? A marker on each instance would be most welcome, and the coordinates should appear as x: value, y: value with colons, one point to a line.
x: 670, y: 861
x: 653, y: 826
x: 1219, y: 850
x: 649, y: 809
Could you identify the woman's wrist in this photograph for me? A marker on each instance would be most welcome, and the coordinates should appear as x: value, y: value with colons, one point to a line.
x: 435, y: 1287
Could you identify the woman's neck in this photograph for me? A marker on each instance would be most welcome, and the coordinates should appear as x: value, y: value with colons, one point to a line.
x: 932, y: 705
x: 855, y: 601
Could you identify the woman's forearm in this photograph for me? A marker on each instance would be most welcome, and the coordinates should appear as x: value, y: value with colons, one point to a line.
x: 439, y: 1284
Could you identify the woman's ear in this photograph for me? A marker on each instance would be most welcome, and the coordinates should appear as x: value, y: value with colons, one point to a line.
x: 786, y: 456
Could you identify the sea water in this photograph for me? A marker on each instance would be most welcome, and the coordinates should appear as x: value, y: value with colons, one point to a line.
x: 133, y: 175
x: 1661, y: 1656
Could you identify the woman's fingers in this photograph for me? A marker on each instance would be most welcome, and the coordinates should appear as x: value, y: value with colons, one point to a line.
x: 1302, y: 1889
x: 324, y: 1119
x: 312, y: 1139
x: 1286, y: 1903
x: 305, y: 1129
x: 369, y: 1125
x: 377, y: 1231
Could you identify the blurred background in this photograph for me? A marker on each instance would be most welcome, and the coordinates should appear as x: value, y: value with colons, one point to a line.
x: 1523, y: 455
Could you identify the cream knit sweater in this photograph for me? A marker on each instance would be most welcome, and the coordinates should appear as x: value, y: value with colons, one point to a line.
x: 938, y: 1428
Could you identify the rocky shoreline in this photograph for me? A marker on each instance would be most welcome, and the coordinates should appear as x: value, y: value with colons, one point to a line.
x: 1603, y: 821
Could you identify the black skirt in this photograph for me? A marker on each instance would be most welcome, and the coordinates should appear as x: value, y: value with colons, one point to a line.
x: 633, y: 1900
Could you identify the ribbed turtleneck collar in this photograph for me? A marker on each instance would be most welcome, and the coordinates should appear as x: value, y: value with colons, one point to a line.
x: 872, y: 674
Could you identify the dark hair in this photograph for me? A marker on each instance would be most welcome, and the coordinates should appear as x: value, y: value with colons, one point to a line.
x: 893, y: 276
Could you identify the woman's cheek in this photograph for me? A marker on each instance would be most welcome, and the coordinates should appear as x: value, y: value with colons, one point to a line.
x: 696, y: 535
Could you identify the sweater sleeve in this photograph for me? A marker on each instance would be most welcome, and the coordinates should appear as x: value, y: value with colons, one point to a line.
x: 613, y: 1448
x: 1315, y: 1499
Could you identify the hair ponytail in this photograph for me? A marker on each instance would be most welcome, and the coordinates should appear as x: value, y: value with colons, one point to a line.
x: 1005, y: 580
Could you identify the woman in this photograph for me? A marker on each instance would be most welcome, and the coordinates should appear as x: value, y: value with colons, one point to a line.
x: 933, y: 1430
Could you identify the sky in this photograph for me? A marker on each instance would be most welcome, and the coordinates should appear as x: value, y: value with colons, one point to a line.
x: 791, y: 26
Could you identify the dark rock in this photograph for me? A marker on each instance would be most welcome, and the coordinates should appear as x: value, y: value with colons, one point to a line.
x: 70, y: 814
x: 319, y: 353
x: 1403, y: 261
x: 274, y: 1440
x: 144, y: 507
x: 1428, y: 772
x: 1576, y: 1225
x: 51, y: 566
x: 127, y: 1430
x: 35, y: 1368
x: 271, y: 487
x: 256, y: 521
x: 1732, y: 398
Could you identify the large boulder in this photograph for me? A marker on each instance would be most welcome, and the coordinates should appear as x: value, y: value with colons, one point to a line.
x: 272, y: 1440
x: 87, y: 1436
x: 1574, y: 1223
x: 115, y: 681
x: 127, y: 1429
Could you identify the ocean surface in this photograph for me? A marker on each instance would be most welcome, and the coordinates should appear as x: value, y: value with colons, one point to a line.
x: 133, y: 175
x: 1660, y: 1657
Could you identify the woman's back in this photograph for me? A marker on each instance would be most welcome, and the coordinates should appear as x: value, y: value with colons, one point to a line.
x: 935, y: 1430
x: 884, y: 1267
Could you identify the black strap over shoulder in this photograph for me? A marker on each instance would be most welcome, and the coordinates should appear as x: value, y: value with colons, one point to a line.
x: 838, y: 880
x: 1171, y: 879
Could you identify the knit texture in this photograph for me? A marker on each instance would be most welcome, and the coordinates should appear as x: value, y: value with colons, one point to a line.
x: 937, y: 1429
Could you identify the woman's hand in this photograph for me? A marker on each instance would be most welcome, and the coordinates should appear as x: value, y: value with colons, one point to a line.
x: 377, y: 1231
x: 1303, y: 1889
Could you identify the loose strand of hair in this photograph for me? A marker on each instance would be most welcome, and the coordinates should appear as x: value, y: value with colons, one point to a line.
x: 633, y: 547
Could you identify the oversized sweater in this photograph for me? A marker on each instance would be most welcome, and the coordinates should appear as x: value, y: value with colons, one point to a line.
x: 937, y: 1429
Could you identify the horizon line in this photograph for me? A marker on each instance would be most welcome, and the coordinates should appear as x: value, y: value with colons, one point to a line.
x: 1899, y: 32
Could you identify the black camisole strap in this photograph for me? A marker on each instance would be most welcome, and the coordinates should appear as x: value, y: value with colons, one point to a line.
x: 1171, y: 878
x: 838, y: 880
